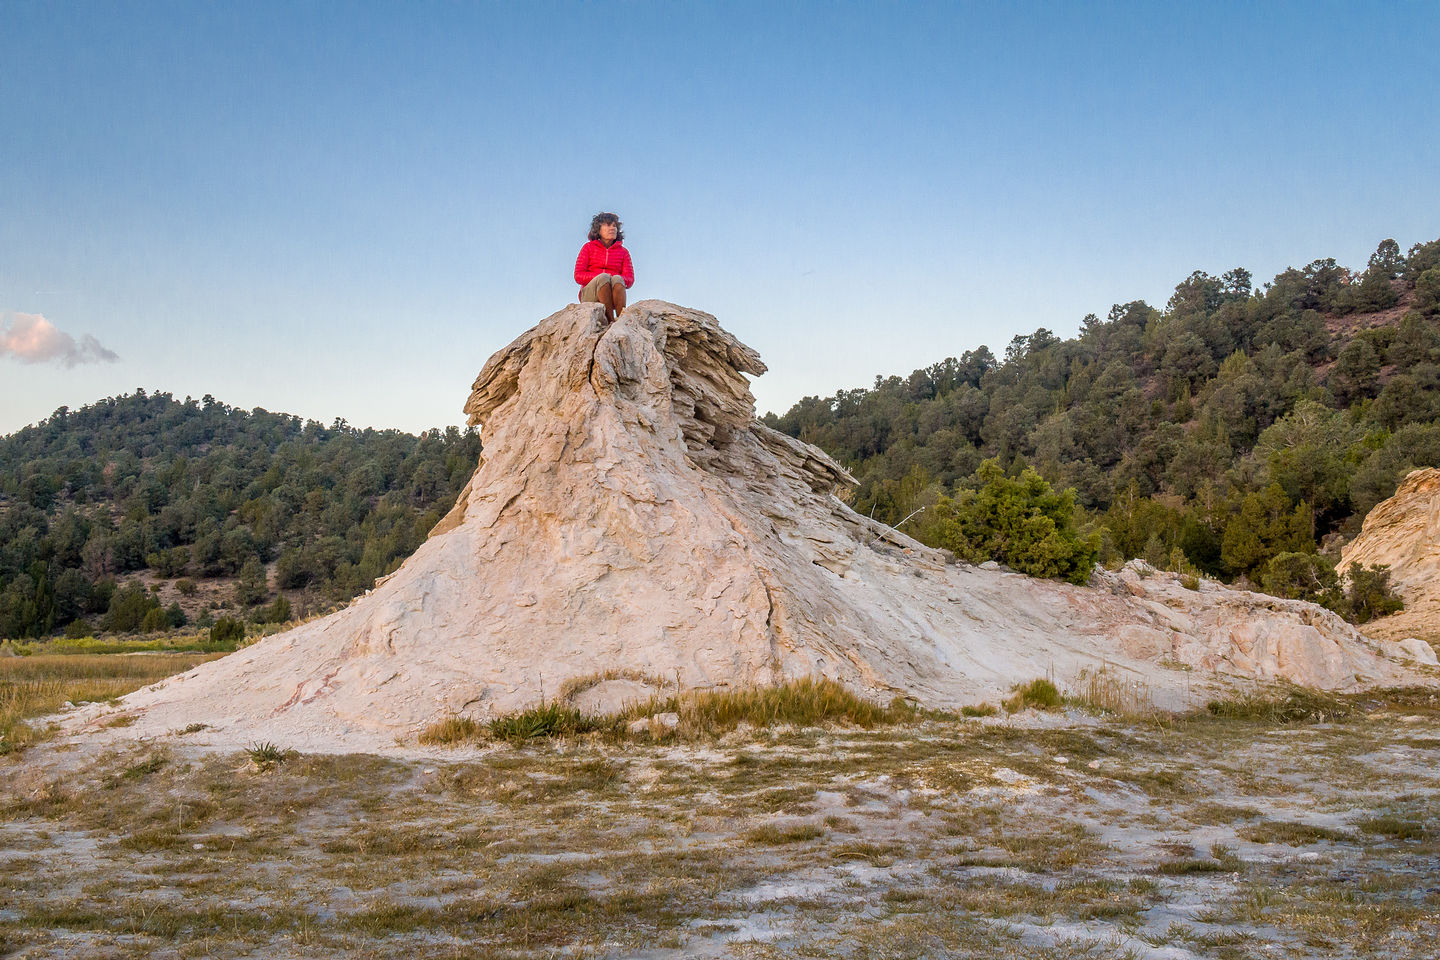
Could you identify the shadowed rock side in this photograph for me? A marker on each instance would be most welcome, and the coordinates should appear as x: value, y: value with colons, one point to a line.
x: 630, y: 514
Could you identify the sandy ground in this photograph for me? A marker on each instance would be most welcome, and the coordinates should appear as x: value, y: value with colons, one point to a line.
x: 1055, y: 835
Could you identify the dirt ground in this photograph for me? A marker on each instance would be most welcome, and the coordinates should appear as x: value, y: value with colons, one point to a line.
x: 1043, y: 835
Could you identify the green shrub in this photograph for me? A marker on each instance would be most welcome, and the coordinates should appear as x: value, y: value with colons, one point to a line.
x: 1368, y: 594
x: 251, y: 588
x: 227, y: 632
x: 1427, y: 291
x: 129, y: 606
x: 1300, y: 576
x: 1019, y: 521
x: 546, y: 720
x: 169, y: 563
x: 1364, y: 595
x: 265, y: 754
x: 277, y: 611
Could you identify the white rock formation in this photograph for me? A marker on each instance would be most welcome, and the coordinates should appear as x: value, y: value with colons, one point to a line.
x: 1403, y: 533
x: 631, y: 515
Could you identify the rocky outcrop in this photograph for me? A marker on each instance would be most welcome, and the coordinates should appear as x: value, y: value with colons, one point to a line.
x: 1403, y: 533
x: 632, y: 519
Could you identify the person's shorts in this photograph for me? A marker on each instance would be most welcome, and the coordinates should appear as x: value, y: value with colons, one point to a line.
x: 591, y: 293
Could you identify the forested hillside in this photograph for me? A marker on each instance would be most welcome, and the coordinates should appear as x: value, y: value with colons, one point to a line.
x: 180, y: 492
x: 1231, y: 428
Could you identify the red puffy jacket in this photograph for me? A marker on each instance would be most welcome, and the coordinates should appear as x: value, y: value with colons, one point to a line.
x: 596, y: 258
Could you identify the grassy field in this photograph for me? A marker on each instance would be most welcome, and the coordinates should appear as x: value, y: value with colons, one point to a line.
x: 1293, y: 831
x: 32, y: 686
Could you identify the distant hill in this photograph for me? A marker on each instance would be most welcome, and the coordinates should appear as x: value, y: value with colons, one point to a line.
x: 1230, y: 427
x: 208, y: 505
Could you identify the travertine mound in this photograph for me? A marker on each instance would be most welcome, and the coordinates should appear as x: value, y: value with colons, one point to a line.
x: 1403, y: 533
x: 632, y: 516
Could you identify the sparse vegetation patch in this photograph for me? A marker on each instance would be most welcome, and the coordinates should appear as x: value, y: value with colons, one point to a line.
x: 807, y: 702
x: 1290, y: 705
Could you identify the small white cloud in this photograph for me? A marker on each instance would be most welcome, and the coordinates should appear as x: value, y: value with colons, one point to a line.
x: 30, y: 338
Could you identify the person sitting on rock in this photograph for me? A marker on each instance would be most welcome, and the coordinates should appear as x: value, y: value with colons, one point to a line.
x: 603, y: 268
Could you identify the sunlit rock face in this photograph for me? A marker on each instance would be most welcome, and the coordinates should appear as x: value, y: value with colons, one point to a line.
x: 1403, y: 533
x: 632, y: 517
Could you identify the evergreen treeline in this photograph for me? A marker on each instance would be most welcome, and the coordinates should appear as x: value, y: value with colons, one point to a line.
x: 198, y: 489
x: 1225, y: 434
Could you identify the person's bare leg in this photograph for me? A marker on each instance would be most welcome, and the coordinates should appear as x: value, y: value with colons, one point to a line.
x: 617, y: 294
x: 607, y: 300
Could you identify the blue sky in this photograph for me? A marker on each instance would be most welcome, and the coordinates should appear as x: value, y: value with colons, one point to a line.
x: 342, y: 209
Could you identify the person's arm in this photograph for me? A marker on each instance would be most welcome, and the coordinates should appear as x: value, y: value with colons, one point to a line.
x: 627, y: 269
x: 582, y: 267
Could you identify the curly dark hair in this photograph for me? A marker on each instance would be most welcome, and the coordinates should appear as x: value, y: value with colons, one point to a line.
x: 603, y: 218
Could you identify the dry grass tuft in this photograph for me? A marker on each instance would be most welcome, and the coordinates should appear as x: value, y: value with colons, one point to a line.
x: 772, y: 835
x: 1105, y: 692
x: 452, y: 730
x: 1221, y: 860
x: 1294, y: 705
x: 575, y: 686
x: 1397, y: 828
x: 1039, y: 693
x: 806, y: 702
x: 1292, y: 834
